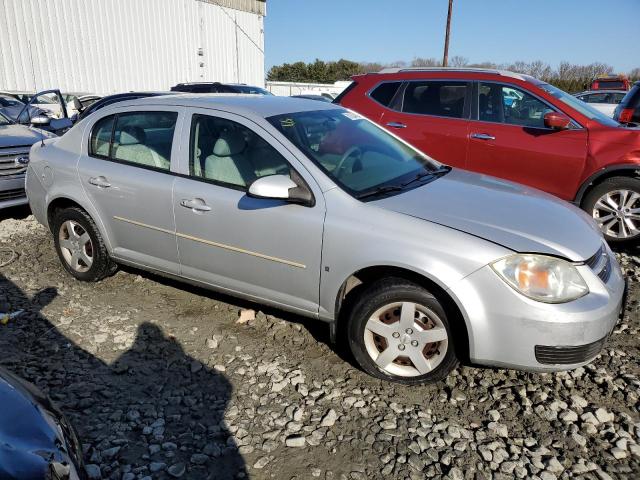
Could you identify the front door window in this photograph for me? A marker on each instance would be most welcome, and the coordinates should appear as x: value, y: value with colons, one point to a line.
x: 506, y: 104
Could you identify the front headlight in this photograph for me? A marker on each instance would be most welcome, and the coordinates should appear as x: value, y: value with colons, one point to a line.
x: 542, y: 278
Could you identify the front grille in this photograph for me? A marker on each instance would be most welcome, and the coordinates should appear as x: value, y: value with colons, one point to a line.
x: 600, y: 263
x: 568, y: 355
x: 8, y: 165
x: 12, y: 194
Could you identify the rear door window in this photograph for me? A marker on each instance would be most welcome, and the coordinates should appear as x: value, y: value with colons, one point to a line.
x: 385, y: 92
x: 141, y: 138
x: 440, y: 98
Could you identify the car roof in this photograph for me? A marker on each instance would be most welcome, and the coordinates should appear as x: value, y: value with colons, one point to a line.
x: 259, y: 105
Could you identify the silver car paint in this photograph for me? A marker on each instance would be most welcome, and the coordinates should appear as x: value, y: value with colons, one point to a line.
x: 340, y: 235
x: 523, y: 219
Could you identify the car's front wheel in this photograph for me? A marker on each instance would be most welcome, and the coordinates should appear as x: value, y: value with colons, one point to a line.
x: 615, y: 206
x: 398, y: 331
x: 80, y: 246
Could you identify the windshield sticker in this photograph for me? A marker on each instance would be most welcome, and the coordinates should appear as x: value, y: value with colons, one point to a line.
x: 352, y: 116
x: 287, y: 123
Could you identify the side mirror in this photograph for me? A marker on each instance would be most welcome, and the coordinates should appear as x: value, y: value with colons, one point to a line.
x: 40, y: 121
x: 280, y: 187
x: 556, y: 120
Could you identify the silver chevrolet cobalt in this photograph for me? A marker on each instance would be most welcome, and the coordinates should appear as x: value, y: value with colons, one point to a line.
x: 311, y: 208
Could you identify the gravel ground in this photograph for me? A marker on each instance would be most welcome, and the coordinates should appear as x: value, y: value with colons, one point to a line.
x: 162, y: 381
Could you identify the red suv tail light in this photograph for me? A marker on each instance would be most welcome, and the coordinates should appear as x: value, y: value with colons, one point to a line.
x: 626, y: 115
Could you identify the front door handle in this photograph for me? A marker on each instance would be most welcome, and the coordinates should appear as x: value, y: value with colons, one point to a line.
x: 195, y: 204
x: 100, y: 181
x: 396, y: 125
x: 483, y: 136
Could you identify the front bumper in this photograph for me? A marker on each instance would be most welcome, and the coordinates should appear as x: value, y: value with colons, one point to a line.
x: 507, y: 329
x: 12, y: 191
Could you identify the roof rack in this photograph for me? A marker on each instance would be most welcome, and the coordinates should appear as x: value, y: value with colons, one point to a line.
x: 505, y: 73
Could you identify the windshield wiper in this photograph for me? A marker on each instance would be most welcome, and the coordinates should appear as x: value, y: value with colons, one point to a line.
x: 380, y: 191
x: 429, y: 173
x: 402, y: 186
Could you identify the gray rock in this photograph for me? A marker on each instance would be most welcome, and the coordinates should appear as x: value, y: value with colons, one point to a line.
x: 295, y: 441
x: 93, y: 472
x: 177, y: 470
x: 329, y: 418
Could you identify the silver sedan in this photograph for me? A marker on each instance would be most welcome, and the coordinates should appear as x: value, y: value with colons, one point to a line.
x: 311, y: 208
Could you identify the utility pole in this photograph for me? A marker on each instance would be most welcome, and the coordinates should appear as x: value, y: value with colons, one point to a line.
x: 445, y: 58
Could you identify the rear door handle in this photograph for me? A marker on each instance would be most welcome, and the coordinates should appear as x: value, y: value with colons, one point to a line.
x: 396, y: 125
x: 483, y: 136
x: 195, y: 204
x: 100, y: 181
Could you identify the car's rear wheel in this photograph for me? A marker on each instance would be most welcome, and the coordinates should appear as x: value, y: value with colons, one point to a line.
x: 615, y: 206
x: 80, y: 246
x: 398, y: 331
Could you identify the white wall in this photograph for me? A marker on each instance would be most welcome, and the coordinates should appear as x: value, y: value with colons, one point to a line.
x: 107, y: 46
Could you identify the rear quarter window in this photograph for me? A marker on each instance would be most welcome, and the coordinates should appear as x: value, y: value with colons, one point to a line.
x: 385, y: 92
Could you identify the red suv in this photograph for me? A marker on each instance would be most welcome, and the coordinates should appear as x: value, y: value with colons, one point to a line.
x: 515, y: 127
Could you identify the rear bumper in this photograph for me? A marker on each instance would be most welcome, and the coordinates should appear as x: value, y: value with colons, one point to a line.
x: 12, y: 192
x: 510, y: 330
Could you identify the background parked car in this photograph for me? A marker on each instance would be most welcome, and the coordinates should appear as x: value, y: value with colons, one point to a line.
x: 77, y: 102
x: 45, y: 110
x: 15, y: 142
x: 11, y: 107
x: 37, y: 442
x: 628, y: 111
x: 118, y: 97
x: 217, y: 87
x: 611, y: 82
x: 547, y: 138
x: 605, y: 101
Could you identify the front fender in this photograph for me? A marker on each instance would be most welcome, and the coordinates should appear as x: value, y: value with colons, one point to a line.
x: 623, y: 169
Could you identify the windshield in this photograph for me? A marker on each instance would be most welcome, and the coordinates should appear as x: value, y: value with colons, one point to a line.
x: 4, y: 120
x: 577, y: 104
x: 359, y: 156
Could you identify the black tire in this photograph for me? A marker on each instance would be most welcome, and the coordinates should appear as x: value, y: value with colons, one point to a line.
x: 611, y: 185
x: 376, y: 296
x: 102, y: 265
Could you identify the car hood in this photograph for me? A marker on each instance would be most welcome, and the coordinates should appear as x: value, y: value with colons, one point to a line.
x: 34, y: 435
x: 15, y: 135
x: 517, y: 217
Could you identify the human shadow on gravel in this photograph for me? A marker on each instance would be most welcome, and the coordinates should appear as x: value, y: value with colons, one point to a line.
x: 154, y: 411
x: 318, y: 329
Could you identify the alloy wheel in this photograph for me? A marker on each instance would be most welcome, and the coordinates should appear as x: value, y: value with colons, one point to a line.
x: 618, y: 213
x: 76, y: 246
x: 406, y: 339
